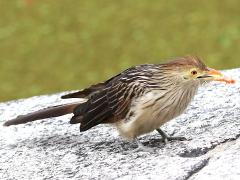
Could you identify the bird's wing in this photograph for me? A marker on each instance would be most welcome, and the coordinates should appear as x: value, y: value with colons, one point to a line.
x: 109, y: 104
x: 106, y: 106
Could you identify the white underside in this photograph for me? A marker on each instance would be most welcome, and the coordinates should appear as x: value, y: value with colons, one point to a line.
x: 151, y: 114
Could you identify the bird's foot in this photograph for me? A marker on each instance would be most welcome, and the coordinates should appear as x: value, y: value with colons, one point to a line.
x: 166, y: 138
x: 173, y: 138
x: 140, y: 148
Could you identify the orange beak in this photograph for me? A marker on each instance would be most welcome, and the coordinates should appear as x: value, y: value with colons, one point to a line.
x: 214, y: 75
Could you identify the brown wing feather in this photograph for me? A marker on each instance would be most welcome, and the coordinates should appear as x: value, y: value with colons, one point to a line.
x: 103, y: 107
x: 107, y: 106
x: 110, y: 102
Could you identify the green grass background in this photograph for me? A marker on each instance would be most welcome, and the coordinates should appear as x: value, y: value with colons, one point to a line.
x: 48, y: 46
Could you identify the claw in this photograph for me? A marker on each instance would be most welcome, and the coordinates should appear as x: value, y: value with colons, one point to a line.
x: 166, y: 138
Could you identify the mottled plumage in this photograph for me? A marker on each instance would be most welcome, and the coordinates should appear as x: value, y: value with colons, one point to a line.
x: 138, y: 100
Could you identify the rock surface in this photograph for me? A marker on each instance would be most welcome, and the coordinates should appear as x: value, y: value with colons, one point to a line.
x: 54, y: 149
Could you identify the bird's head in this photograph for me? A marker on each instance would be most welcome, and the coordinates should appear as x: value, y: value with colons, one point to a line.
x: 193, y: 69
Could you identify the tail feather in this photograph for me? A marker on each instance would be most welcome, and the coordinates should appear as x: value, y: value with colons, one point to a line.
x: 53, y: 111
x: 76, y: 119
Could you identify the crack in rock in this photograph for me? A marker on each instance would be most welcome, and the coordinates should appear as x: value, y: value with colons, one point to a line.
x: 200, y: 151
x: 197, y: 168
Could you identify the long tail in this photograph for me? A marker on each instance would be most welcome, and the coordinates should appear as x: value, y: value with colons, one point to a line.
x: 53, y: 111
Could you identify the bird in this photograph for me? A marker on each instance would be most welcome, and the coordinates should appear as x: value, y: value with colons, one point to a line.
x: 138, y: 100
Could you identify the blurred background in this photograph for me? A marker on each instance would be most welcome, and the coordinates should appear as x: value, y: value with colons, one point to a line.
x: 49, y: 46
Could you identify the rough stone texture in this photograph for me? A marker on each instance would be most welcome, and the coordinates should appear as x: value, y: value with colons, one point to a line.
x: 55, y: 149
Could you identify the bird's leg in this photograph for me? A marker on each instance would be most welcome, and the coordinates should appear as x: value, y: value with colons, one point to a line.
x: 167, y: 138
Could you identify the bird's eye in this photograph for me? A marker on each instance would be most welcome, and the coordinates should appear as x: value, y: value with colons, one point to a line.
x: 194, y: 72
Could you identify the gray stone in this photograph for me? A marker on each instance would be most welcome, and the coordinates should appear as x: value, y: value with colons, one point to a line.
x: 54, y: 149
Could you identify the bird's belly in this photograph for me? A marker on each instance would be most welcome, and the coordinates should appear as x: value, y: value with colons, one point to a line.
x: 150, y: 117
x: 141, y: 124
